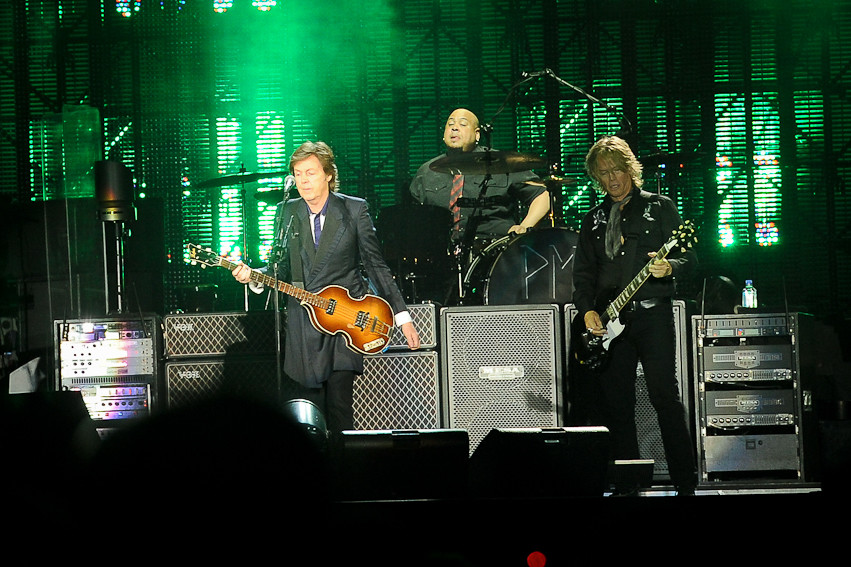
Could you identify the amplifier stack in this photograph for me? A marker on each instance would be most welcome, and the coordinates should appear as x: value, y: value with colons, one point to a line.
x: 400, y: 388
x: 227, y: 353
x: 749, y: 418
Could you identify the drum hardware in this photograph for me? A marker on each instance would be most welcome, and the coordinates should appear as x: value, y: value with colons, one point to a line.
x: 660, y: 161
x: 415, y: 243
x: 666, y: 159
x: 554, y: 186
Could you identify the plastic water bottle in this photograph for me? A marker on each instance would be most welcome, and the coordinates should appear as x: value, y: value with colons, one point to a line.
x: 749, y: 295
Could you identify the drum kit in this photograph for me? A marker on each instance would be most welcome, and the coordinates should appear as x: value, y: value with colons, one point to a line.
x: 531, y: 268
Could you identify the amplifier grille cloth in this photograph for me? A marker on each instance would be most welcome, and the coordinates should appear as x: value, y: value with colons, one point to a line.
x: 425, y: 320
x: 398, y: 391
x: 216, y: 334
x: 191, y: 381
x: 502, y: 367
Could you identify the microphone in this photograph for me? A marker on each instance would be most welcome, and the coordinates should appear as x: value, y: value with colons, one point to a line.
x: 289, y: 183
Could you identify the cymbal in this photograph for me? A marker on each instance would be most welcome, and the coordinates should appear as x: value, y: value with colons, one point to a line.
x: 490, y: 161
x: 562, y: 180
x: 239, y: 179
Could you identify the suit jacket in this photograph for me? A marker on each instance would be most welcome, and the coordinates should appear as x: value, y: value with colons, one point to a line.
x: 348, y: 247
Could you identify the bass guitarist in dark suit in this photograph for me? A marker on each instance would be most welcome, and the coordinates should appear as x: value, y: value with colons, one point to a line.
x: 330, y: 240
x: 617, y: 240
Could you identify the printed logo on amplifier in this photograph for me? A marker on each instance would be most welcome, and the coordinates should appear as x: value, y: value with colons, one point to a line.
x: 747, y: 358
x: 189, y: 374
x: 183, y: 326
x: 502, y: 372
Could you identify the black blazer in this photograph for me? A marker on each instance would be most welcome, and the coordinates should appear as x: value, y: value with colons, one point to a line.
x: 348, y: 247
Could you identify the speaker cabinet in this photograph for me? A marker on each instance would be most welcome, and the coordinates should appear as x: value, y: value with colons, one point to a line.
x: 219, y: 334
x: 403, y: 464
x: 192, y: 381
x: 398, y: 390
x: 647, y: 424
x: 425, y: 320
x: 501, y: 368
x: 546, y: 463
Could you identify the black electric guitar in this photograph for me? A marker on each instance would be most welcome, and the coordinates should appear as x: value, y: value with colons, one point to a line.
x: 591, y: 350
x: 365, y: 323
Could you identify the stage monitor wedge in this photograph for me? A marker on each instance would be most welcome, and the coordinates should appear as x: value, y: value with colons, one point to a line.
x: 541, y: 463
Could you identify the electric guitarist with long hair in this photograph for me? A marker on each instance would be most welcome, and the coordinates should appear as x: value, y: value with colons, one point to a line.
x: 619, y: 239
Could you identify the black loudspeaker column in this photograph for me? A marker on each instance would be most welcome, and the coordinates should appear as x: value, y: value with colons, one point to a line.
x: 384, y: 465
x: 501, y: 368
x: 649, y: 435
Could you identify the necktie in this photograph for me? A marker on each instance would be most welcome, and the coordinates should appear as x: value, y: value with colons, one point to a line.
x: 457, y: 186
x: 317, y: 229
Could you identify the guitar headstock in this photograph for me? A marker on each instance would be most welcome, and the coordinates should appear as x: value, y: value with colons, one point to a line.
x: 685, y: 235
x: 202, y: 256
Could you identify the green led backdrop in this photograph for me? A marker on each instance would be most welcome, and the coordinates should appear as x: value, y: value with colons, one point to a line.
x: 738, y: 110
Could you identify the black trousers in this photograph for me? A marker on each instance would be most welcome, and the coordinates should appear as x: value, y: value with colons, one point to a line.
x: 650, y: 338
x: 335, y: 400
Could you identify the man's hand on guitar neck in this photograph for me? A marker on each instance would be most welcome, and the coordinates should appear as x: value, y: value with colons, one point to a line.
x: 242, y: 273
x: 660, y: 268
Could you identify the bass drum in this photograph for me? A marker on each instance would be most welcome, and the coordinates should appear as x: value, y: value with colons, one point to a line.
x: 534, y: 268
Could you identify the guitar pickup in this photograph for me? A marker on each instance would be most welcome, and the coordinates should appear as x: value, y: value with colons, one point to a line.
x: 361, y: 320
x: 332, y: 305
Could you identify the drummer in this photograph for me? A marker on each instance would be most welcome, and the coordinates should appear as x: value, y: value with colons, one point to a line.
x: 496, y: 212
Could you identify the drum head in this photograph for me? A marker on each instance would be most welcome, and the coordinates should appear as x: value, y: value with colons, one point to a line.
x: 536, y: 268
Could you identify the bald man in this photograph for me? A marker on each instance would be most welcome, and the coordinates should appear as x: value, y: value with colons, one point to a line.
x: 500, y: 217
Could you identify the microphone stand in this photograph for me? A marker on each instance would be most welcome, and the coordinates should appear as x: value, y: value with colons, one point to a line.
x: 245, y: 256
x: 277, y: 256
x: 625, y: 126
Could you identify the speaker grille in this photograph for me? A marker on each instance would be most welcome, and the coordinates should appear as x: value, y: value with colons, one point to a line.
x: 192, y: 381
x: 425, y: 320
x: 217, y: 334
x: 501, y: 366
x: 398, y: 391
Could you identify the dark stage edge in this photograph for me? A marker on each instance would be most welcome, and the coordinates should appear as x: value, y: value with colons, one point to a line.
x: 714, y: 525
